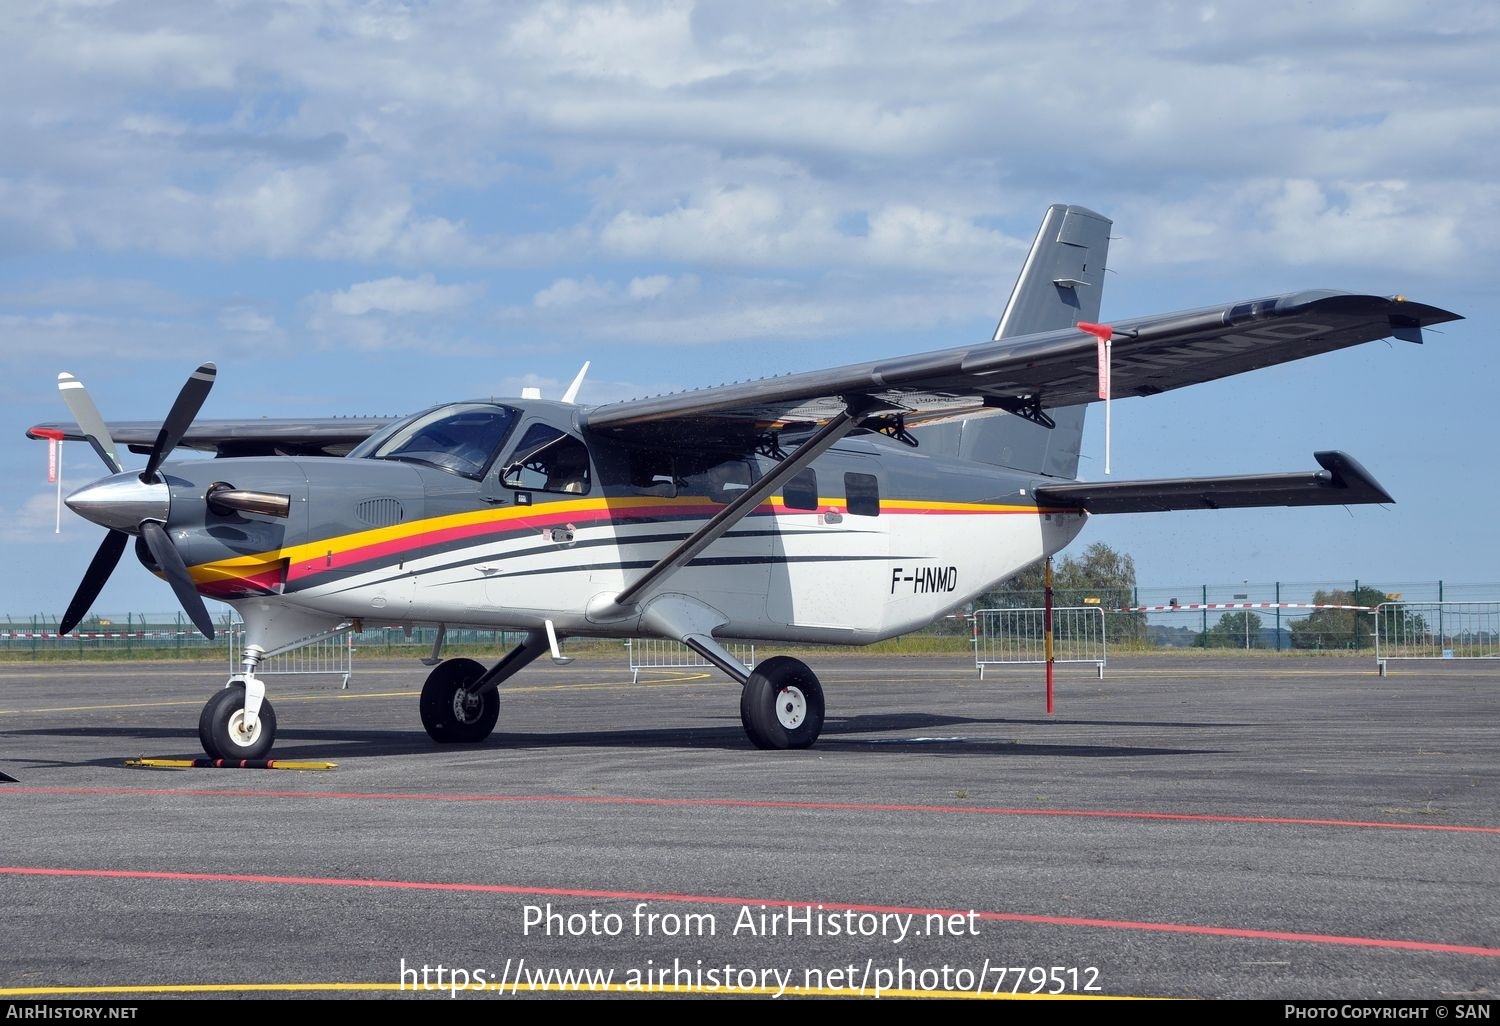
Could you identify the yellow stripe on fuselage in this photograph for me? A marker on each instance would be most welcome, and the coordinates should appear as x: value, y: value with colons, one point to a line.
x: 241, y: 567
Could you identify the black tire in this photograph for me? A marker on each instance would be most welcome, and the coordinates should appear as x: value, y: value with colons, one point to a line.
x: 781, y: 705
x: 449, y: 713
x: 220, y: 727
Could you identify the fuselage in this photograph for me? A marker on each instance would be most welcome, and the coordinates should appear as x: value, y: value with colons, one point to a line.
x: 873, y: 540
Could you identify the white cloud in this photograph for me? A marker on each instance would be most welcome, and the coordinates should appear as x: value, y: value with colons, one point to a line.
x: 36, y: 520
x: 905, y: 235
x: 569, y: 292
x: 649, y: 288
x: 1390, y: 225
x: 420, y: 295
x: 247, y: 319
x: 683, y: 312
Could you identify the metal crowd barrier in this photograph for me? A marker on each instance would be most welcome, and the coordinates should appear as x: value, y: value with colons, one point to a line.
x: 660, y: 654
x: 1005, y: 637
x: 333, y: 656
x: 1436, y: 630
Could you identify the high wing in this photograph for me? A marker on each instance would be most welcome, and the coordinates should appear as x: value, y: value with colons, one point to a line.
x: 1028, y: 374
x: 333, y: 436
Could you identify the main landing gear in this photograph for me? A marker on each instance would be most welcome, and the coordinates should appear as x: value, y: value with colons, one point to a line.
x: 454, y: 710
x: 781, y: 701
x: 781, y: 704
x: 461, y: 699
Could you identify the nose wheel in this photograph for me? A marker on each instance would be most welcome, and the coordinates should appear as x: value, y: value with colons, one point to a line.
x: 781, y: 704
x: 225, y: 730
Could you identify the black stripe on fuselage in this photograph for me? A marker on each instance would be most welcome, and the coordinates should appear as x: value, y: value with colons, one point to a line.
x: 665, y: 538
x: 637, y: 564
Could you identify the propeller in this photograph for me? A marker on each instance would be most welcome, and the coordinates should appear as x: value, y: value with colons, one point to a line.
x: 134, y: 504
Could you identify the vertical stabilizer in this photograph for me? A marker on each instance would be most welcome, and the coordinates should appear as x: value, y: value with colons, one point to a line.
x: 1061, y: 283
x: 1063, y: 277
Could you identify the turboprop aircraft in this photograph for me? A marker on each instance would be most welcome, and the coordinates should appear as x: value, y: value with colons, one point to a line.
x: 845, y: 505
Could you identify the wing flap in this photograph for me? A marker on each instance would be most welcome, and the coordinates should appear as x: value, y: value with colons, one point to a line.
x: 1341, y: 482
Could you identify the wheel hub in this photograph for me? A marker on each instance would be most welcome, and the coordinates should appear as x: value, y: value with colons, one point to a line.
x: 466, y: 705
x: 791, y: 707
x: 238, y: 733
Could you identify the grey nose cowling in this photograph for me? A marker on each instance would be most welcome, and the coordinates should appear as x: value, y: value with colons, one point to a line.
x: 121, y: 502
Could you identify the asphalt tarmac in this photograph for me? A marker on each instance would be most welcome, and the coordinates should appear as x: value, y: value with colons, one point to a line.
x: 1194, y: 827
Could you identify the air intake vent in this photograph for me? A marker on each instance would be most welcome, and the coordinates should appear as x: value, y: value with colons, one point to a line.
x: 380, y: 512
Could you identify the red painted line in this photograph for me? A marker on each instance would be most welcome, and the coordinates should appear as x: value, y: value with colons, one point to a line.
x: 714, y: 899
x: 735, y: 803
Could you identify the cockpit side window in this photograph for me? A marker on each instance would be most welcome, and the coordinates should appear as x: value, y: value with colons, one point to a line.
x: 548, y: 460
x: 461, y: 438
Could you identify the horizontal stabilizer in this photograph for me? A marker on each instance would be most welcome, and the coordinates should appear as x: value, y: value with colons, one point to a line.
x: 1341, y: 482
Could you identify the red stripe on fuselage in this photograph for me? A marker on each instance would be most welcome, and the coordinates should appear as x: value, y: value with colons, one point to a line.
x: 521, y: 521
x: 415, y: 545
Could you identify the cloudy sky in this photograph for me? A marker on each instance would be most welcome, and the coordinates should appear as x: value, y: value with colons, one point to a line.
x: 367, y: 208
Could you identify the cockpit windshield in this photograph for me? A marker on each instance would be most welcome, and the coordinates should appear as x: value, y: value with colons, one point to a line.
x: 460, y: 438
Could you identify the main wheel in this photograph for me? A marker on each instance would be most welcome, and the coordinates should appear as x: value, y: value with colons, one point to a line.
x: 781, y: 705
x: 451, y: 713
x: 222, y: 731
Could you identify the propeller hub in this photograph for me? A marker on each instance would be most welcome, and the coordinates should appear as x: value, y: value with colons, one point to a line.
x: 122, y: 502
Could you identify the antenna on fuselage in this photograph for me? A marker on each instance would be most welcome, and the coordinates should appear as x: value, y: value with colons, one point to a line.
x: 571, y: 395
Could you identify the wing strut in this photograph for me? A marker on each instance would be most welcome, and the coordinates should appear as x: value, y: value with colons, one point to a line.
x: 695, y: 543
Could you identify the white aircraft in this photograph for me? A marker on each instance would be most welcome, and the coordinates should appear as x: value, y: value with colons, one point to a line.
x: 846, y: 505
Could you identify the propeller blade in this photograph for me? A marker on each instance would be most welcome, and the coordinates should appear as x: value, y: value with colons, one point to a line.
x: 87, y: 415
x: 170, y: 560
x: 180, y: 418
x: 93, y: 579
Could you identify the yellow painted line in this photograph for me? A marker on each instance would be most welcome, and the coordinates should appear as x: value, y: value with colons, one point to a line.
x: 349, y: 696
x: 643, y: 989
x: 286, y: 764
x: 961, y: 678
x: 97, y: 708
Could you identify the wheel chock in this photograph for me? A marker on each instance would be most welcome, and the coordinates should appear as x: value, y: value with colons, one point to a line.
x: 281, y: 764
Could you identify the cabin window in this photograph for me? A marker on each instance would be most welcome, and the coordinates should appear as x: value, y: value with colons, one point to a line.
x: 548, y: 460
x: 801, y: 492
x: 721, y: 480
x: 652, y: 473
x: 862, y: 493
